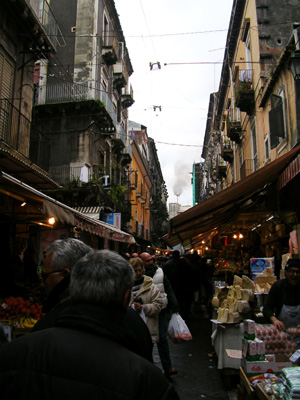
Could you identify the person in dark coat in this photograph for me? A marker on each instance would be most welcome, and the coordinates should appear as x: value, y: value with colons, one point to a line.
x: 60, y: 258
x: 282, y: 306
x: 85, y: 355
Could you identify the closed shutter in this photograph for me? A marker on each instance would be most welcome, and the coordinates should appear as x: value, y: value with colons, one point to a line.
x: 6, y: 81
x: 276, y: 121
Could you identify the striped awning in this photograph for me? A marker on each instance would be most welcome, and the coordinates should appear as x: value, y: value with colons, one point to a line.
x: 289, y: 173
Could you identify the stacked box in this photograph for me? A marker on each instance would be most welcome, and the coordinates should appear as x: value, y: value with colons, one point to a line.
x: 249, y: 329
x: 249, y: 349
x: 261, y: 350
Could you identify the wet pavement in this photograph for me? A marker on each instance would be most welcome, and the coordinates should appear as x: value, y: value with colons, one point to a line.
x: 198, y: 376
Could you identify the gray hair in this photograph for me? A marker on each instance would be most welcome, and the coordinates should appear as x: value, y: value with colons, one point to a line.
x: 102, y: 277
x: 66, y: 252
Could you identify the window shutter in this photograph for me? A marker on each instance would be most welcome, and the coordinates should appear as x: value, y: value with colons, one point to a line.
x: 6, y: 80
x: 272, y: 124
x: 276, y: 120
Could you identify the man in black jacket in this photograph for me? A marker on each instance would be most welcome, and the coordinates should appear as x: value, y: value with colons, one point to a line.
x: 60, y: 258
x: 85, y: 354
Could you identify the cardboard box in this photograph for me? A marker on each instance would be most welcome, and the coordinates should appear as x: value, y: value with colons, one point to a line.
x: 261, y: 367
x: 249, y: 329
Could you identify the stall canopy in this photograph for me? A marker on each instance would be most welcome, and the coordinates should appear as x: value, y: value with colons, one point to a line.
x: 235, y: 203
x: 33, y: 206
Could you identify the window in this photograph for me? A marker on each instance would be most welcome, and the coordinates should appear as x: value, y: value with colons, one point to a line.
x: 6, y: 82
x: 277, y: 118
x: 241, y: 162
x: 254, y: 145
x: 248, y: 52
x: 105, y: 31
x: 267, y: 147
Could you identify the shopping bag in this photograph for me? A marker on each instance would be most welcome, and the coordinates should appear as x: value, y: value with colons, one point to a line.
x: 178, y: 330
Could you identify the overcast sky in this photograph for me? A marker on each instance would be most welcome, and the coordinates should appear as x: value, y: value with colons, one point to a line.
x: 188, y: 39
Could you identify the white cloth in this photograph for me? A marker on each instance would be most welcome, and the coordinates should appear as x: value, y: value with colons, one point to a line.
x: 227, y: 337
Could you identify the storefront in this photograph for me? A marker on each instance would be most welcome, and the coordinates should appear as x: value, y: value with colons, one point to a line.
x: 251, y: 218
x: 32, y: 220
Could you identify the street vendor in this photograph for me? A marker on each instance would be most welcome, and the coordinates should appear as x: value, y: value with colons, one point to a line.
x: 282, y: 306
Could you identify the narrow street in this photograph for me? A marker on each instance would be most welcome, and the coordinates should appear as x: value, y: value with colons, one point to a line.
x: 198, y: 376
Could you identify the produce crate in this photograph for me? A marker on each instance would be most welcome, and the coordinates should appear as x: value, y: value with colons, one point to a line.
x: 246, y: 390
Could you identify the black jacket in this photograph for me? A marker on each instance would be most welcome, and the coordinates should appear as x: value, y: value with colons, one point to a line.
x: 137, y: 333
x: 279, y: 294
x: 172, y: 300
x: 84, y: 356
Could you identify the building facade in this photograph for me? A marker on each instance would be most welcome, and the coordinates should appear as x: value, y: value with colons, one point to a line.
x: 81, y: 109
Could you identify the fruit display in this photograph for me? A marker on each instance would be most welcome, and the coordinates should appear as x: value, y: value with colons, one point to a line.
x: 277, y: 342
x: 24, y: 313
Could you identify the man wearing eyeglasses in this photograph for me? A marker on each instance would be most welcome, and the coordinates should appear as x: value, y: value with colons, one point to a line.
x: 60, y: 258
x: 282, y: 307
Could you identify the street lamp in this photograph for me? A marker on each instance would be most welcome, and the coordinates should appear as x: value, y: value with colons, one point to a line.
x: 295, y: 65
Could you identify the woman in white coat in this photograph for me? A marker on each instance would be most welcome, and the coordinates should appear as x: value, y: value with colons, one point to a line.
x: 146, y: 297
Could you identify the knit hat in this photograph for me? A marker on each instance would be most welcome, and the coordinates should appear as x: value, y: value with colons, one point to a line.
x: 292, y: 262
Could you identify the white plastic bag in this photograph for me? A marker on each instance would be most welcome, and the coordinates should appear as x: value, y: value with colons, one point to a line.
x: 178, y: 330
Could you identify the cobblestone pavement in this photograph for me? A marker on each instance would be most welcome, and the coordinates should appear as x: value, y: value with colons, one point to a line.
x: 198, y: 376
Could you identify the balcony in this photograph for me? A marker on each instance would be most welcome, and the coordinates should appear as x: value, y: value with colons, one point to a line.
x: 110, y: 51
x: 127, y: 97
x: 38, y: 23
x: 96, y: 102
x: 133, y: 180
x: 144, y: 197
x: 120, y: 75
x: 244, y: 92
x: 221, y: 168
x: 234, y: 131
x: 227, y: 152
x: 14, y: 127
x: 70, y: 175
x: 141, y: 192
x: 119, y: 138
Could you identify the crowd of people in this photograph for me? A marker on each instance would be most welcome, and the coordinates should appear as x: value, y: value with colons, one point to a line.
x: 103, y: 314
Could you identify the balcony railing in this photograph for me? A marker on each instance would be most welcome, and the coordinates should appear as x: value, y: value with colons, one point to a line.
x: 14, y: 127
x: 110, y: 49
x: 49, y: 23
x: 70, y: 92
x: 120, y: 74
x: 64, y: 92
x: 244, y: 92
x: 70, y: 175
x: 248, y: 167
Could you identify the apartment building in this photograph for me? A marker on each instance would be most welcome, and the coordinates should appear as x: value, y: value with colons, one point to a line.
x: 148, y: 192
x: 250, y: 175
x: 81, y: 107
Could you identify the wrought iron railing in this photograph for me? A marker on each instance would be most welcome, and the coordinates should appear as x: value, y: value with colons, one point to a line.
x: 70, y: 175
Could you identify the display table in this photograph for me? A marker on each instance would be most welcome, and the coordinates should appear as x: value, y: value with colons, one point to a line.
x: 227, y: 336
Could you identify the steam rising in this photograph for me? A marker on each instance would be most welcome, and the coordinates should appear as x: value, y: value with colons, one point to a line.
x: 182, y: 178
